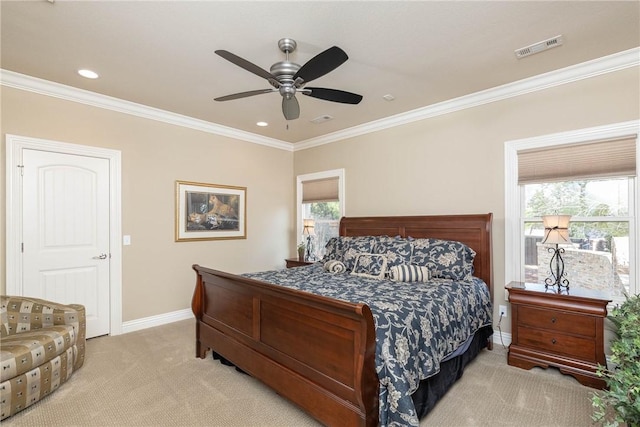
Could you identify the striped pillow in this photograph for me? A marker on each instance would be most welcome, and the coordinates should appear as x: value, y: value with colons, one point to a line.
x: 409, y: 273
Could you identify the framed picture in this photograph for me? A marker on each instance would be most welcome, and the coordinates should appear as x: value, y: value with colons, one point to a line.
x: 210, y: 211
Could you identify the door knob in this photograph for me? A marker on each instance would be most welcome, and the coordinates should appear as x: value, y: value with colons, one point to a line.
x: 101, y: 256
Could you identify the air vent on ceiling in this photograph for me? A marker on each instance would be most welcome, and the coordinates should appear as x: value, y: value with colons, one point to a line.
x: 322, y: 119
x: 539, y: 47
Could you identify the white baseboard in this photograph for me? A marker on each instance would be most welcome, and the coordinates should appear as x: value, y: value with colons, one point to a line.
x: 506, y: 337
x: 158, y: 320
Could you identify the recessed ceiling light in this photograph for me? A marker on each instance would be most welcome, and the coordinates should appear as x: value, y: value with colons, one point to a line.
x: 262, y: 124
x: 388, y: 97
x: 88, y: 74
x: 322, y: 119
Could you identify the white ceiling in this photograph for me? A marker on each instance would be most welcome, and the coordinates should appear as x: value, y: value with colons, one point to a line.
x: 161, y: 53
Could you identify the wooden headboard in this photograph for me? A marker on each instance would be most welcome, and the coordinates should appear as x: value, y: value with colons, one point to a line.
x: 472, y: 230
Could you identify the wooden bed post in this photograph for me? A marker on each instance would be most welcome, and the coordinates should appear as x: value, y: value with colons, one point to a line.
x: 196, y: 306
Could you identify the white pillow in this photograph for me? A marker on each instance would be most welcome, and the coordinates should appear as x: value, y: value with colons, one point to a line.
x: 334, y: 266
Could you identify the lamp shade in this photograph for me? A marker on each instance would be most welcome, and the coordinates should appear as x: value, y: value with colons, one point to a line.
x: 556, y: 229
x: 309, y: 225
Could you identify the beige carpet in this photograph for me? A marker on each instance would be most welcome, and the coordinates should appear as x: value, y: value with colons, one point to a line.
x: 152, y: 378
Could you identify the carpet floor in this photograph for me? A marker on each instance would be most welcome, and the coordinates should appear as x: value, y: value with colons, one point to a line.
x: 152, y: 378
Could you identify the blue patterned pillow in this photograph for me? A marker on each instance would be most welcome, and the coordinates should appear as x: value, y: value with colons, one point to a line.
x: 409, y: 273
x: 332, y: 250
x: 370, y: 265
x: 397, y: 250
x: 445, y: 259
x: 354, y: 246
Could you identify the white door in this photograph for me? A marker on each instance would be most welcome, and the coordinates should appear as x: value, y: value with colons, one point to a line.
x: 65, y: 222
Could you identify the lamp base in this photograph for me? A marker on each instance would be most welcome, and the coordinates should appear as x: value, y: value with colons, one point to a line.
x: 558, y: 277
x: 309, y: 254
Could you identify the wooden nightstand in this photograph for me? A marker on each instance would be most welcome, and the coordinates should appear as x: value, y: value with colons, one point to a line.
x: 295, y: 262
x: 563, y: 330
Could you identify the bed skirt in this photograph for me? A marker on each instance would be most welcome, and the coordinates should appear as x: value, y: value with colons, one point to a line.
x: 433, y: 388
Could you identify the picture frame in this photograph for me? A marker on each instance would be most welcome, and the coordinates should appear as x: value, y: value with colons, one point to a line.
x: 210, y: 211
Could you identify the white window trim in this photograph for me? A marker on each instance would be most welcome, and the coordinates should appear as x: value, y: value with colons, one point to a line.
x: 514, y: 246
x: 334, y: 173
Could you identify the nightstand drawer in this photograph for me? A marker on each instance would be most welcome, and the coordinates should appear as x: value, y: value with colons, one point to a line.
x: 557, y: 343
x: 557, y: 321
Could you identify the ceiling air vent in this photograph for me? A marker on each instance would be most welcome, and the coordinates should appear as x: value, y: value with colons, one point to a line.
x: 539, y: 47
x: 322, y: 119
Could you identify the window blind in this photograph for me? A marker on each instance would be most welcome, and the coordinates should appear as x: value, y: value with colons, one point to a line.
x: 607, y: 158
x: 320, y: 190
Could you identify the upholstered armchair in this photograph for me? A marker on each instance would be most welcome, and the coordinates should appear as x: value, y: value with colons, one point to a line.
x: 42, y: 345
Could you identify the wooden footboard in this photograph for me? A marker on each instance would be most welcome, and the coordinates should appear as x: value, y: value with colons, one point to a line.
x: 317, y: 352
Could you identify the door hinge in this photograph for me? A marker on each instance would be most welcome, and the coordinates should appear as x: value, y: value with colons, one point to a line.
x: 21, y: 170
x: 22, y: 247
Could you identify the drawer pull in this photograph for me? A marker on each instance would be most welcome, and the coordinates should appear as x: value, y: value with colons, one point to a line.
x: 553, y: 341
x: 553, y: 320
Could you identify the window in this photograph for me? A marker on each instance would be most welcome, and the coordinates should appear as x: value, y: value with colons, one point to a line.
x: 320, y: 198
x: 597, y: 255
x: 590, y: 175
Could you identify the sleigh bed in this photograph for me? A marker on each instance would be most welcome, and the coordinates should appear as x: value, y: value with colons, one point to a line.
x: 321, y: 352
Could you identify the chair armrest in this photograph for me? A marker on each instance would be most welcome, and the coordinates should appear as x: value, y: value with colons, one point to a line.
x: 27, y: 314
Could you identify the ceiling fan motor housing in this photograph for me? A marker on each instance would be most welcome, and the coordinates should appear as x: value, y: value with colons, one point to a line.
x: 284, y: 71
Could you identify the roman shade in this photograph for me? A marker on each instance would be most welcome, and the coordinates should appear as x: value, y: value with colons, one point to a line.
x: 607, y: 158
x: 320, y: 190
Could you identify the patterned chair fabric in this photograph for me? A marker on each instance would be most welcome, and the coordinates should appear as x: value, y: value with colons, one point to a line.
x: 42, y: 345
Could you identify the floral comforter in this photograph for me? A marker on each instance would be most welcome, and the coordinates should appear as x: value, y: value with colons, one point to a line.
x: 417, y: 325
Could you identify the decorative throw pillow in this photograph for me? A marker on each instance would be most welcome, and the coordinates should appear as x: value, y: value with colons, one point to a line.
x: 354, y: 246
x: 397, y: 250
x: 409, y: 273
x: 445, y: 259
x: 334, y: 266
x: 370, y: 265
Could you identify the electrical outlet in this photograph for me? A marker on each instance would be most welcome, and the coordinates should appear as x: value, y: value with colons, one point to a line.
x: 502, y: 310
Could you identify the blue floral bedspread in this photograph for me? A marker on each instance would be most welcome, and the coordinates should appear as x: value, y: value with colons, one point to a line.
x: 417, y: 325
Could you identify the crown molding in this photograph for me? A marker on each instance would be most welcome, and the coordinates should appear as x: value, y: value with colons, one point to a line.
x: 606, y: 64
x: 57, y: 90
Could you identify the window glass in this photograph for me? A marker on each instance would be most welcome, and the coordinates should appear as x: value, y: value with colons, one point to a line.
x: 320, y: 197
x: 327, y: 221
x: 599, y: 252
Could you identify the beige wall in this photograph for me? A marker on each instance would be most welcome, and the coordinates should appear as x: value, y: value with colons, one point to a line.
x: 157, y: 274
x: 448, y: 164
x: 455, y: 163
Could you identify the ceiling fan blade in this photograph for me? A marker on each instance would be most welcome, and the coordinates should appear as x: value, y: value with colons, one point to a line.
x: 332, y: 95
x: 252, y: 68
x: 290, y: 108
x: 322, y: 64
x: 244, y: 94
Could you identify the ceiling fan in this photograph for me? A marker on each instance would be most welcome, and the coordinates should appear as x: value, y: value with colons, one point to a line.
x: 289, y: 78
